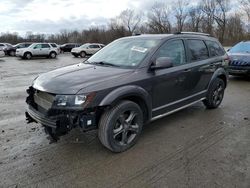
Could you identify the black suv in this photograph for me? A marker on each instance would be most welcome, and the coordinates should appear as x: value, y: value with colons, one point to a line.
x: 68, y: 47
x: 131, y: 82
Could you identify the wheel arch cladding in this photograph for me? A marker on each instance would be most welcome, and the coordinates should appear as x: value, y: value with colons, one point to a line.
x: 132, y: 93
x: 219, y: 73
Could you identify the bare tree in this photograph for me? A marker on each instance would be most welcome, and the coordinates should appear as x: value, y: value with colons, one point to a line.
x: 220, y: 16
x: 235, y: 33
x: 158, y: 19
x: 208, y: 8
x: 245, y: 6
x: 180, y: 13
x: 195, y: 17
x: 130, y: 19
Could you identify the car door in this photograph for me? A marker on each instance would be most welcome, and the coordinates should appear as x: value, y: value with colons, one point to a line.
x: 201, y: 66
x: 45, y: 49
x: 37, y: 50
x: 93, y: 48
x: 171, y: 86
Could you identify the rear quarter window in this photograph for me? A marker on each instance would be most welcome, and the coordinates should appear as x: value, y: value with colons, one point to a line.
x: 198, y: 50
x: 215, y: 49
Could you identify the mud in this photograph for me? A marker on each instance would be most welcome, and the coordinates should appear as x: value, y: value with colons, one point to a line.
x: 195, y: 147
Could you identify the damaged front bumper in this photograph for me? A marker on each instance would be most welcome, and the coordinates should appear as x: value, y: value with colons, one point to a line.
x: 58, y: 122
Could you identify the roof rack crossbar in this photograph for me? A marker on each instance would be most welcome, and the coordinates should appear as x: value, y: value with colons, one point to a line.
x: 194, y: 33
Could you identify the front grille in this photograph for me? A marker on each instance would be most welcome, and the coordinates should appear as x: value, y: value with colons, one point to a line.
x: 43, y: 99
x: 240, y: 63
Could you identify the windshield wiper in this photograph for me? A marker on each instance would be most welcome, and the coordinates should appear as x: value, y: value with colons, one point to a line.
x: 104, y: 63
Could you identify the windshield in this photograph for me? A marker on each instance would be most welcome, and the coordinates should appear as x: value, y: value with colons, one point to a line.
x: 127, y: 53
x: 241, y: 48
x: 84, y: 45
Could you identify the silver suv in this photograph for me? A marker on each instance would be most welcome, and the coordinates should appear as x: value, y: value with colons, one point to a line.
x: 37, y: 49
x: 86, y: 49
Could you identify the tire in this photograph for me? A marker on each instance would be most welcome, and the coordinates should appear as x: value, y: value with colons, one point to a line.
x: 27, y: 55
x: 121, y: 126
x: 83, y: 54
x: 215, y: 94
x: 52, y: 55
x: 12, y: 53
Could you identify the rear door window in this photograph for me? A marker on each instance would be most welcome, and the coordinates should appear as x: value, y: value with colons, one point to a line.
x: 198, y: 50
x: 215, y: 49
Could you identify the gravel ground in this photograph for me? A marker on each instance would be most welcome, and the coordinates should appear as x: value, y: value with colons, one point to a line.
x: 195, y: 147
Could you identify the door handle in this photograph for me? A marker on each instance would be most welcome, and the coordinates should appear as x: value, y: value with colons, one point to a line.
x: 187, y: 70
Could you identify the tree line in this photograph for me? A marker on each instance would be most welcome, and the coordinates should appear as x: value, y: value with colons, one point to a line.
x: 224, y: 19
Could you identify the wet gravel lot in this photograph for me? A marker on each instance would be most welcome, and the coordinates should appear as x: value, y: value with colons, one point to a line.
x: 191, y: 148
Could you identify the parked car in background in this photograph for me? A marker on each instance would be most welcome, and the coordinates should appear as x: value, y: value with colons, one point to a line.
x: 86, y: 49
x: 8, y: 49
x: 129, y: 83
x: 56, y: 46
x: 23, y: 45
x: 239, y: 56
x: 68, y: 47
x: 37, y: 49
x: 2, y: 54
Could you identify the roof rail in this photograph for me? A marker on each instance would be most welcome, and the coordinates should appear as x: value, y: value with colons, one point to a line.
x: 193, y: 33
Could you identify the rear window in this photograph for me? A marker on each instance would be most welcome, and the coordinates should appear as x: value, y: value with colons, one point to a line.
x: 215, y: 49
x: 53, y: 45
x: 198, y: 50
x: 45, y: 46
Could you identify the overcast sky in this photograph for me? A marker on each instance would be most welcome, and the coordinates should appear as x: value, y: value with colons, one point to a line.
x: 50, y: 16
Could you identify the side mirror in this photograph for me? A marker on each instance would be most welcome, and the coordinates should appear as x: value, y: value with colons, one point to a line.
x: 162, y: 63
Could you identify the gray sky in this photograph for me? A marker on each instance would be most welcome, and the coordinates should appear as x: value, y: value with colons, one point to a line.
x: 50, y: 16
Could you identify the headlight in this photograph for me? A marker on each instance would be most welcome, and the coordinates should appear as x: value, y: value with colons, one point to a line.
x: 73, y: 100
x: 80, y: 99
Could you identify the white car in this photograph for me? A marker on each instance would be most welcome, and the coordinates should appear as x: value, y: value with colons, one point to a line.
x: 2, y: 54
x: 56, y: 46
x: 37, y: 49
x: 86, y: 49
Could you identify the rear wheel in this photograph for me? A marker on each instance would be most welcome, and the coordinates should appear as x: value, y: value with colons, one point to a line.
x: 215, y: 94
x: 52, y: 55
x: 120, y: 126
x: 27, y: 55
x: 82, y: 54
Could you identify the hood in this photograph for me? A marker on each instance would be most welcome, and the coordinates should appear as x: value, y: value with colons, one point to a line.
x: 71, y: 79
x: 239, y: 56
x: 76, y: 49
x: 239, y: 59
x: 22, y: 49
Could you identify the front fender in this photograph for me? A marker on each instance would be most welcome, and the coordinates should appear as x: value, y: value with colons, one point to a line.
x: 126, y: 92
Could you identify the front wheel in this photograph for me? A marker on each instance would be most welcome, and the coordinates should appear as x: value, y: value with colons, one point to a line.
x: 120, y: 126
x: 82, y: 54
x: 27, y: 55
x: 215, y: 94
